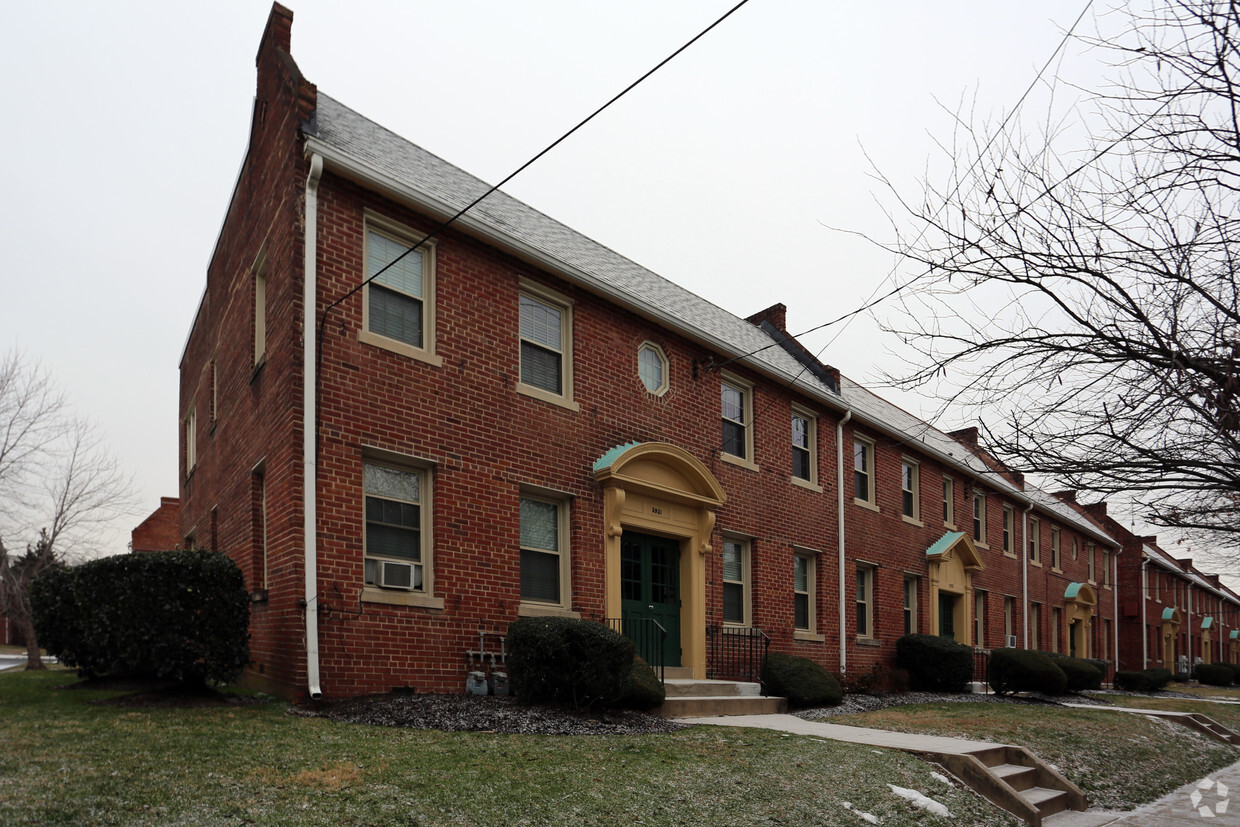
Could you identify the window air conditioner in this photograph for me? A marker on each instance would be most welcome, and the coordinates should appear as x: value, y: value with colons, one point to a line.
x: 1011, y: 641
x: 396, y: 575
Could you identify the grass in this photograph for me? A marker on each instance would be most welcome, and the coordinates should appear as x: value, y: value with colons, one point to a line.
x: 1118, y: 760
x: 1226, y: 714
x: 67, y: 760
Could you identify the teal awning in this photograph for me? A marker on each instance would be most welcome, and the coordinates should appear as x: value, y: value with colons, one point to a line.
x: 1235, y: 634
x: 944, y: 543
x: 1073, y: 590
x: 1169, y: 614
x: 1207, y: 622
x: 611, y: 456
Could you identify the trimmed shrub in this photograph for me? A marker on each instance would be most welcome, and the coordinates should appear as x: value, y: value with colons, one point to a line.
x: 802, y: 681
x: 935, y: 663
x: 1214, y: 674
x: 1023, y: 670
x: 565, y: 660
x: 1235, y: 671
x: 1081, y: 673
x: 643, y: 690
x: 1157, y: 679
x: 174, y: 614
x: 1129, y: 681
x: 1149, y: 680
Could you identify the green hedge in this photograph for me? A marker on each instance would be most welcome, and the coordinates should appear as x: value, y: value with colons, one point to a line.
x: 1214, y: 674
x: 1148, y: 680
x: 643, y: 690
x: 802, y: 681
x: 565, y: 660
x: 935, y: 664
x: 1023, y: 670
x: 1081, y: 673
x: 171, y: 614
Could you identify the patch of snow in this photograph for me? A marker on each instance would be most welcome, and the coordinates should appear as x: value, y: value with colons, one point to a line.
x: 922, y: 801
x: 938, y: 776
x: 868, y: 817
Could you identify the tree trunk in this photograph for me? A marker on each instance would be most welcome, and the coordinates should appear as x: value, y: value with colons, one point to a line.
x: 26, y: 626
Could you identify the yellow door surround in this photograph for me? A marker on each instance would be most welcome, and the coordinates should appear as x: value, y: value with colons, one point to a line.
x: 951, y: 562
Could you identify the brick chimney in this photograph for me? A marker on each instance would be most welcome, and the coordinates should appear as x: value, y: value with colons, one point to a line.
x: 966, y: 435
x: 1068, y: 496
x: 776, y: 314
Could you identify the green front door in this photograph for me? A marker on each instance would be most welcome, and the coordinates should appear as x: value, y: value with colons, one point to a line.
x: 947, y: 615
x: 650, y: 588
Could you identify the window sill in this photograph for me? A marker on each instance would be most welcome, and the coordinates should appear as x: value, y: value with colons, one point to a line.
x: 865, y: 504
x: 981, y: 545
x: 912, y: 521
x: 1056, y: 570
x: 545, y: 610
x: 1011, y: 554
x: 1035, y: 563
x: 546, y: 396
x: 802, y: 634
x: 797, y: 481
x: 741, y: 461
x: 403, y: 348
x: 949, y: 526
x: 393, y: 597
x: 863, y: 640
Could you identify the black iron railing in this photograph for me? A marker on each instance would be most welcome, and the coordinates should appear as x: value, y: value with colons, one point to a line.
x: 648, y: 636
x: 981, y: 668
x: 736, y: 653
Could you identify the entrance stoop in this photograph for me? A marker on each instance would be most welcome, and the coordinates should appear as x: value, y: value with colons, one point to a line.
x: 1016, y: 780
x: 688, y: 698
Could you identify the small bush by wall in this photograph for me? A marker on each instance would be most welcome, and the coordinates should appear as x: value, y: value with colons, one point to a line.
x: 643, y: 690
x: 1215, y: 674
x: 565, y: 660
x: 802, y: 681
x: 1082, y: 674
x: 169, y: 614
x: 935, y: 664
x: 1148, y: 680
x: 1022, y: 670
x: 1157, y: 678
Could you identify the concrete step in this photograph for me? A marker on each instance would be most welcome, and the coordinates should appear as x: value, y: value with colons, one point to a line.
x: 709, y: 706
x: 1047, y: 801
x: 678, y: 672
x: 684, y: 688
x: 1017, y: 777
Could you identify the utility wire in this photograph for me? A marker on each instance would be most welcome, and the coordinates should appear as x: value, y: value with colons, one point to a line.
x: 318, y: 380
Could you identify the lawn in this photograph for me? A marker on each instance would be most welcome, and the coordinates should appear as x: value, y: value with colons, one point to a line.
x: 1118, y: 760
x: 69, y: 760
x: 1226, y: 714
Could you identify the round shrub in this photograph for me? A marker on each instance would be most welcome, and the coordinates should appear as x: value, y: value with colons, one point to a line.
x: 643, y: 690
x: 172, y: 614
x: 1213, y: 674
x: 1147, y: 680
x: 1081, y: 674
x: 935, y: 664
x: 1129, y: 681
x: 802, y: 681
x: 565, y: 660
x: 1235, y: 671
x: 1023, y: 670
x: 1156, y: 679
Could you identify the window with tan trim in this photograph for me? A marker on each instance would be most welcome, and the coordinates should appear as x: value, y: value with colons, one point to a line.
x: 1106, y: 569
x: 1035, y: 541
x: 910, y: 604
x: 1056, y: 561
x: 1089, y: 557
x: 865, y: 601
x: 1009, y: 531
x: 979, y: 518
x: 804, y: 446
x: 863, y: 472
x: 398, y: 306
x: 910, y: 490
x: 259, y: 271
x: 545, y: 562
x: 803, y: 591
x: 736, y: 596
x: 1035, y: 625
x: 652, y: 368
x: 546, y: 336
x: 398, y: 564
x: 1009, y: 620
x: 736, y: 420
x: 191, y: 438
x: 949, y: 502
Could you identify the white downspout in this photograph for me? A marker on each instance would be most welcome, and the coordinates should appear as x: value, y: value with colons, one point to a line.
x: 309, y: 433
x: 1024, y: 572
x: 1145, y: 596
x: 839, y: 465
x: 1113, y: 578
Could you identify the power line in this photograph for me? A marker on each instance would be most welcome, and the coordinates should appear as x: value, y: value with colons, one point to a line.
x: 318, y: 380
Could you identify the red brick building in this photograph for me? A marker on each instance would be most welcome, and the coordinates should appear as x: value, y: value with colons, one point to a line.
x: 513, y: 420
x: 1172, y: 615
x: 161, y: 530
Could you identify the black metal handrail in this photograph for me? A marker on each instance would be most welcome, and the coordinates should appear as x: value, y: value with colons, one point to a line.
x: 648, y: 636
x: 737, y: 653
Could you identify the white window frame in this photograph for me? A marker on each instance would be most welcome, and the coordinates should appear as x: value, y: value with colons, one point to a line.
x: 259, y: 271
x: 1035, y: 541
x: 979, y: 618
x: 911, y: 585
x: 547, y: 297
x: 809, y: 631
x: 744, y: 546
x: 1056, y: 550
x: 1091, y: 559
x: 191, y: 438
x: 563, y: 506
x: 868, y: 458
x: 745, y: 389
x: 979, y: 519
x: 864, y: 596
x: 910, y: 489
x: 373, y: 223
x: 1009, y: 530
x: 949, y: 502
x: 664, y: 367
x: 373, y: 593
x: 811, y: 435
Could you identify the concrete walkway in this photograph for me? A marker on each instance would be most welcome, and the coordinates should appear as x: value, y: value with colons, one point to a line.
x: 1174, y: 809
x: 852, y: 734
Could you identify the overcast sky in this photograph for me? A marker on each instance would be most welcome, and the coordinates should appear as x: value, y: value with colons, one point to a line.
x: 125, y: 124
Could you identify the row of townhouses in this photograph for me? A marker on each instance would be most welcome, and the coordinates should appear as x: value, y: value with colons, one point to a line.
x: 513, y: 420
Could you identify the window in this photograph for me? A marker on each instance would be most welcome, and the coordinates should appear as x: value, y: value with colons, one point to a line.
x: 979, y: 518
x: 910, y: 605
x: 1106, y: 568
x: 1089, y: 557
x: 736, y: 412
x: 1035, y: 541
x: 863, y: 471
x: 1074, y: 549
x: 803, y: 592
x: 736, y: 581
x: 546, y: 337
x: 544, y: 550
x: 949, y: 502
x: 1035, y: 625
x: 909, y: 484
x: 260, y: 308
x: 191, y: 438
x: 865, y: 601
x: 397, y: 306
x: 1009, y: 620
x: 396, y: 555
x: 215, y: 394
x: 1056, y: 562
x: 1009, y: 529
x: 652, y: 368
x: 1156, y: 578
x: 804, y: 446
x: 979, y: 619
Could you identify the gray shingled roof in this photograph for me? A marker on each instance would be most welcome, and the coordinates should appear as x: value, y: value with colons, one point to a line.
x: 395, y: 158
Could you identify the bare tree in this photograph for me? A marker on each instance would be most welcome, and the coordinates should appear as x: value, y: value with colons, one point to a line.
x: 58, y: 485
x: 1079, y: 288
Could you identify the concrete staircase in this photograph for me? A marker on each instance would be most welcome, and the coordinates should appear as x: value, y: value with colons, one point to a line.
x: 1209, y: 726
x: 1016, y: 780
x: 690, y: 698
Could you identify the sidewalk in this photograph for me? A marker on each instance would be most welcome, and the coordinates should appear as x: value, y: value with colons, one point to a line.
x: 1174, y: 809
x: 856, y: 735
